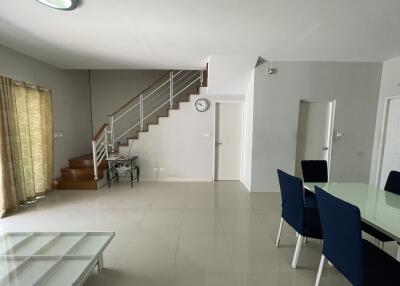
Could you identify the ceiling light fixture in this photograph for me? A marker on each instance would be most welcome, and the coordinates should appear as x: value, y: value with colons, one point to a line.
x: 60, y: 4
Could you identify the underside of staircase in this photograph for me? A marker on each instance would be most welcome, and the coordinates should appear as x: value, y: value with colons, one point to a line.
x: 80, y: 175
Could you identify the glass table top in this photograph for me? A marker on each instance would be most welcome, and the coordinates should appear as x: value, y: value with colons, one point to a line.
x: 378, y: 208
x: 50, y: 258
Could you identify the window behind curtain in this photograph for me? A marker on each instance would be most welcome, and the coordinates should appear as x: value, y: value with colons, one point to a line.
x: 33, y: 141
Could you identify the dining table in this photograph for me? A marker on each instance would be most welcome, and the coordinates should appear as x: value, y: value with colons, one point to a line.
x: 378, y: 208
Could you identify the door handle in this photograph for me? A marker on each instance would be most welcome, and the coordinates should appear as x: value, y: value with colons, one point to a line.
x: 325, y: 148
x: 218, y: 143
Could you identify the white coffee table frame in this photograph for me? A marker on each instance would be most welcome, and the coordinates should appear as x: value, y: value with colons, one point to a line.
x: 51, y: 258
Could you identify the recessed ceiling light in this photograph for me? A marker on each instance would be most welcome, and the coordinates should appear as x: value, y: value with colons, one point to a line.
x: 60, y: 4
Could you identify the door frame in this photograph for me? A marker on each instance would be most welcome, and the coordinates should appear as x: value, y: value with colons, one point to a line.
x: 215, y: 134
x: 382, y: 143
x: 332, y: 124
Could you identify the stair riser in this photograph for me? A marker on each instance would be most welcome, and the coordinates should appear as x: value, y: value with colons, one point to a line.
x: 76, y: 185
x: 80, y: 173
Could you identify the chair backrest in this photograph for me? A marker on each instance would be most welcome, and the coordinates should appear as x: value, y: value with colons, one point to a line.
x: 393, y: 182
x: 315, y: 171
x: 292, y: 200
x: 341, y: 228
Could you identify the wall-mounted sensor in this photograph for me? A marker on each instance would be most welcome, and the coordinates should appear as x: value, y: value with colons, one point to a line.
x: 339, y: 135
x: 59, y: 134
x: 272, y: 71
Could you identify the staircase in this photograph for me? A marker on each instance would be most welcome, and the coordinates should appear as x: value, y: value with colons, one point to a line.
x: 128, y: 122
x: 79, y: 175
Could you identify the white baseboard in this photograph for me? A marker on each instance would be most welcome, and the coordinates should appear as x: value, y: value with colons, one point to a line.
x: 102, y: 182
x: 246, y: 184
x: 176, y: 179
x: 268, y: 189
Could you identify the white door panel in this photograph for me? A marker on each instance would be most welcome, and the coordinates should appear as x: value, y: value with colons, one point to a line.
x: 228, y: 137
x: 391, y: 153
x: 314, y: 132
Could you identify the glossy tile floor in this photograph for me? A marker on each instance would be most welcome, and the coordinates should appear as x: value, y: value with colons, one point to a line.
x: 181, y: 234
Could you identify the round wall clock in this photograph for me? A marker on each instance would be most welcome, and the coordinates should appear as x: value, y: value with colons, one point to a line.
x: 202, y: 104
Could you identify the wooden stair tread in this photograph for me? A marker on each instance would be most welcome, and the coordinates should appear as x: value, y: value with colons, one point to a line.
x: 83, y: 157
x: 75, y: 179
x: 84, y: 162
x: 80, y: 169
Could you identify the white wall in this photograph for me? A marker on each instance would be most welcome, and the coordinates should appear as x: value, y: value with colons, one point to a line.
x: 182, y: 144
x: 113, y: 88
x: 390, y: 86
x: 247, y: 146
x: 71, y: 102
x: 229, y: 74
x: 355, y: 86
x: 178, y: 143
x: 231, y: 77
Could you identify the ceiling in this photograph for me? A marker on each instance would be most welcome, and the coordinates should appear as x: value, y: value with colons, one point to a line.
x: 157, y: 34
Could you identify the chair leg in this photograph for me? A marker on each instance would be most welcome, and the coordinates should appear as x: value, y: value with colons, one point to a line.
x: 321, y: 266
x: 297, y: 251
x: 279, y: 233
x: 398, y: 253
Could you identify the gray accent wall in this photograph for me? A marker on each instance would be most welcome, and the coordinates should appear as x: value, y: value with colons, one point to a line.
x: 354, y: 86
x: 71, y: 102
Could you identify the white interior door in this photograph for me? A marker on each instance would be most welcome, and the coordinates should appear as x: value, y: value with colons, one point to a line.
x: 391, y: 151
x: 314, y: 134
x: 228, y: 138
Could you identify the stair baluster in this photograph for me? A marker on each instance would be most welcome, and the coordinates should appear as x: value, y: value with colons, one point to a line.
x: 171, y: 89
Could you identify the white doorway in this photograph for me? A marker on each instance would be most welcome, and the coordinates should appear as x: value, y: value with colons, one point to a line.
x: 390, y: 151
x: 228, y: 140
x: 314, y: 133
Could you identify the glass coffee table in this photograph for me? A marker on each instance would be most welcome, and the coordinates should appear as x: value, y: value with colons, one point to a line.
x: 51, y: 258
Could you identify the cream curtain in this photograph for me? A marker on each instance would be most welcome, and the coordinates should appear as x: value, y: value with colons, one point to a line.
x: 8, y: 189
x: 30, y: 127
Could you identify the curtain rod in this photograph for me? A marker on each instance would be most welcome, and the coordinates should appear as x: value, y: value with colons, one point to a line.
x: 22, y: 83
x: 28, y: 85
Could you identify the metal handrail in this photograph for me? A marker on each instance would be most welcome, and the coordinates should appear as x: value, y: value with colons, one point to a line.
x: 147, y: 96
x: 144, y: 90
x: 185, y: 76
x: 161, y: 105
x: 100, y: 131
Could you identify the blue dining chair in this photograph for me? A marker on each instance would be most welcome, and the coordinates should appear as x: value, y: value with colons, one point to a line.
x: 360, y: 261
x: 393, y: 182
x: 313, y: 171
x: 393, y: 186
x: 304, y: 220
